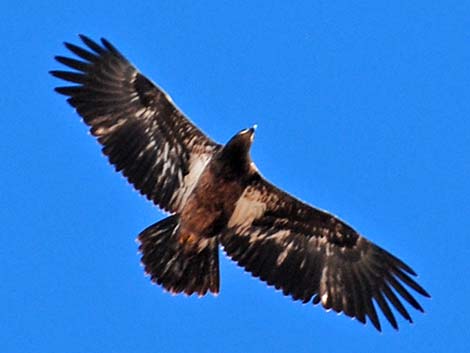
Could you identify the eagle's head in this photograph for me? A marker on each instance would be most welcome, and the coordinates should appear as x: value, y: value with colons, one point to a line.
x: 237, y: 151
x: 242, y: 141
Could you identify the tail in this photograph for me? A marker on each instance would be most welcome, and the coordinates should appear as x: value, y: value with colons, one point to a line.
x: 174, y: 266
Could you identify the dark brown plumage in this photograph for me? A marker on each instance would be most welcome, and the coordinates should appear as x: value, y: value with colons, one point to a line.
x: 217, y: 196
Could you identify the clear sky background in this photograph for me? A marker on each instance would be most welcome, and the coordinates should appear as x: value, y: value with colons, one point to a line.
x: 363, y: 109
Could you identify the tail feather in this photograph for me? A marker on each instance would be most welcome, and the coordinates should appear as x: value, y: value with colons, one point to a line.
x: 175, y: 267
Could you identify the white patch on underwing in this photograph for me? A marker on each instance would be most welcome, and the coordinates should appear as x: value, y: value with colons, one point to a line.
x: 144, y: 113
x: 323, y: 285
x: 255, y: 235
x: 283, y: 255
x: 106, y: 130
x: 197, y: 164
x: 280, y: 237
x: 247, y: 209
x: 134, y: 75
x: 134, y: 98
x: 167, y: 162
x: 203, y: 243
x: 166, y: 148
x: 324, y: 298
x: 151, y: 145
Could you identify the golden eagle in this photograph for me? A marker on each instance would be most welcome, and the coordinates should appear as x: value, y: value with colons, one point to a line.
x: 216, y: 195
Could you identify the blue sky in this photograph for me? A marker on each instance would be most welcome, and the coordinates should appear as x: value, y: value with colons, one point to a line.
x: 362, y: 110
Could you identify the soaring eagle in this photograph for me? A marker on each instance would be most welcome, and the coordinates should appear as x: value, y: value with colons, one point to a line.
x: 216, y: 195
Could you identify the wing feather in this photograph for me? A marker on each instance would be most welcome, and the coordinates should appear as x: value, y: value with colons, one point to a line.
x: 142, y: 132
x: 309, y: 253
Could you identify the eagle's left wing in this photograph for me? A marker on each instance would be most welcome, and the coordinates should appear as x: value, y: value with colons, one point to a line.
x: 157, y: 148
x: 309, y: 253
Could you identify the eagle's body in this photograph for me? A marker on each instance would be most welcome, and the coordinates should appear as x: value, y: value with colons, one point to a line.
x: 217, y: 196
x: 206, y: 212
x: 220, y: 185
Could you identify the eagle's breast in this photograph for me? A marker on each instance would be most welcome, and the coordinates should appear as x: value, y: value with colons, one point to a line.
x: 212, y: 201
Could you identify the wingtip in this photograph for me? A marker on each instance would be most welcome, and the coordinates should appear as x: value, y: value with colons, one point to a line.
x: 54, y: 73
x: 63, y: 90
x: 84, y: 38
x: 425, y: 293
x: 107, y: 44
x: 373, y: 318
x: 70, y: 46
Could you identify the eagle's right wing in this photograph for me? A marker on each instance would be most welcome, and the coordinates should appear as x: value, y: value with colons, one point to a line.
x: 309, y: 253
x: 142, y: 132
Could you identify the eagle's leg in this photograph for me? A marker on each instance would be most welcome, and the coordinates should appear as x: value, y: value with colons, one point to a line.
x: 179, y: 263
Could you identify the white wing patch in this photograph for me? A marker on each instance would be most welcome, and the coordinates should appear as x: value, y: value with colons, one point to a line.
x: 197, y: 164
x: 324, y: 285
x: 247, y: 209
x: 283, y: 255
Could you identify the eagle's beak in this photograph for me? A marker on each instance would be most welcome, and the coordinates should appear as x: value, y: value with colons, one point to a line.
x: 252, y: 131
